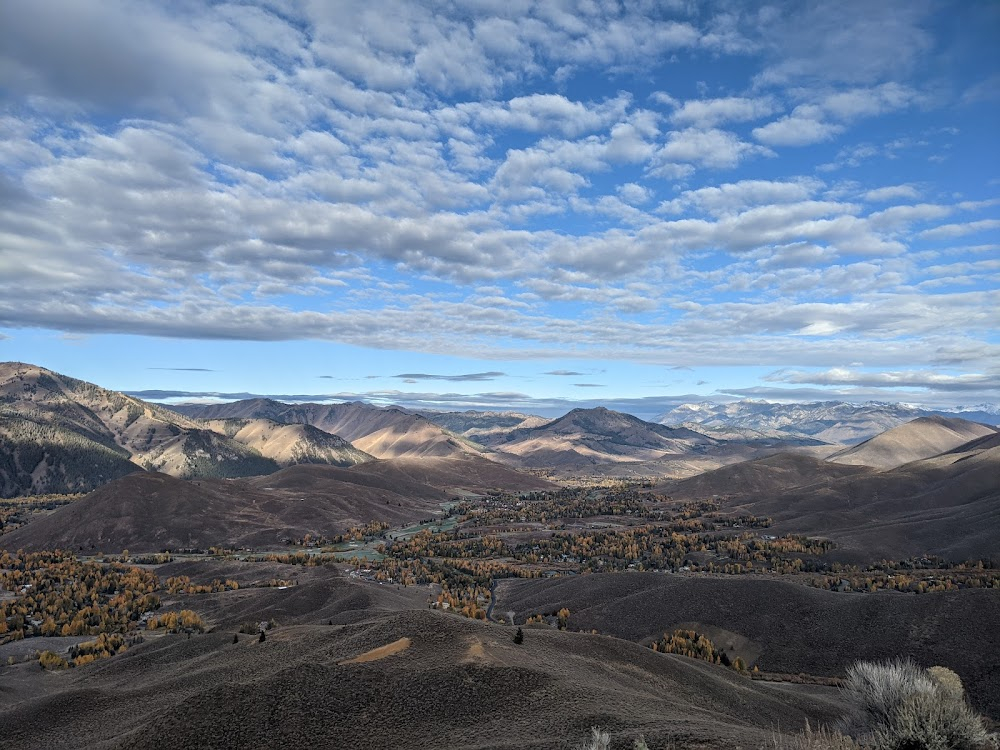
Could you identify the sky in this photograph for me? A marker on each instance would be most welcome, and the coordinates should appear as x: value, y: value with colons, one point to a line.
x: 504, y: 204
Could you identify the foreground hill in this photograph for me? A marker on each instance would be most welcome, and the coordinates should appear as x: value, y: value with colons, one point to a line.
x: 402, y: 680
x: 289, y: 444
x: 60, y: 434
x: 147, y: 512
x: 383, y: 433
x: 947, y: 505
x: 584, y: 438
x: 783, y: 626
x: 922, y: 438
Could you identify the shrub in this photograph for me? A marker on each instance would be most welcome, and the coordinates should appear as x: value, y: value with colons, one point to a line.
x: 900, y: 706
x: 948, y: 681
x: 599, y: 740
x: 51, y: 660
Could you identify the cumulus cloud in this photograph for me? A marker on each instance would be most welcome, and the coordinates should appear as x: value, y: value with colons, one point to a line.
x: 804, y: 126
x: 708, y: 113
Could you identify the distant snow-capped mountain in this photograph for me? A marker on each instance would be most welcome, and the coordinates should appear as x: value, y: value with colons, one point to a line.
x: 829, y: 421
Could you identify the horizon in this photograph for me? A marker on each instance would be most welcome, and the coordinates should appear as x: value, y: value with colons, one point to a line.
x: 650, y: 409
x: 526, y: 208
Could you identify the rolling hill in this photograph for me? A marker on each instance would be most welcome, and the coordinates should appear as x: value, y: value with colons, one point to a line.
x: 150, y: 512
x: 584, y: 438
x: 947, y: 505
x: 401, y: 680
x: 922, y: 438
x: 780, y: 625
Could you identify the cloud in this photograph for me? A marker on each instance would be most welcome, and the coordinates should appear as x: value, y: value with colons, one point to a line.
x: 948, y: 231
x: 472, y: 377
x: 588, y: 385
x: 564, y: 372
x: 708, y: 113
x: 926, y: 379
x: 707, y: 148
x: 891, y: 193
x: 823, y: 43
x: 804, y: 126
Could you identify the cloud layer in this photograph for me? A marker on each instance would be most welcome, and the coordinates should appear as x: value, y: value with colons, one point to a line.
x: 508, y: 181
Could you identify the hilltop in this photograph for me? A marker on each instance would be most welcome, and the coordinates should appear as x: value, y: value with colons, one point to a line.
x: 584, y: 438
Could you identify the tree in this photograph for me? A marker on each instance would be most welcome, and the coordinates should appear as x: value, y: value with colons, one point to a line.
x: 262, y: 637
x: 519, y: 637
x: 236, y: 638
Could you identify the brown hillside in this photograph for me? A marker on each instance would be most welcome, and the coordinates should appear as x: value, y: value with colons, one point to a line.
x: 921, y: 438
x: 290, y: 444
x: 762, y: 476
x: 152, y: 512
x: 794, y: 628
x: 948, y: 505
x: 384, y: 433
x: 460, y: 683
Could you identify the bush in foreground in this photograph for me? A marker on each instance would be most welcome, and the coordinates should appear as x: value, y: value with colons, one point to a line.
x: 900, y: 706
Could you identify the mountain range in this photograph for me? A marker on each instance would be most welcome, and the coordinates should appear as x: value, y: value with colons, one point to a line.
x: 59, y: 434
x: 833, y: 422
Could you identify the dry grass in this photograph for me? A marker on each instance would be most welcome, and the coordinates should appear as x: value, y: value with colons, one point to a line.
x: 380, y: 653
x: 813, y: 739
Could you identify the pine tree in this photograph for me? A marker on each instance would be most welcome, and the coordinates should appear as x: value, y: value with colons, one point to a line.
x: 262, y: 637
x: 519, y: 637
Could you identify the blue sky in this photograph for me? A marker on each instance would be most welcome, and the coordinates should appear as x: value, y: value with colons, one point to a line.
x: 505, y: 204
